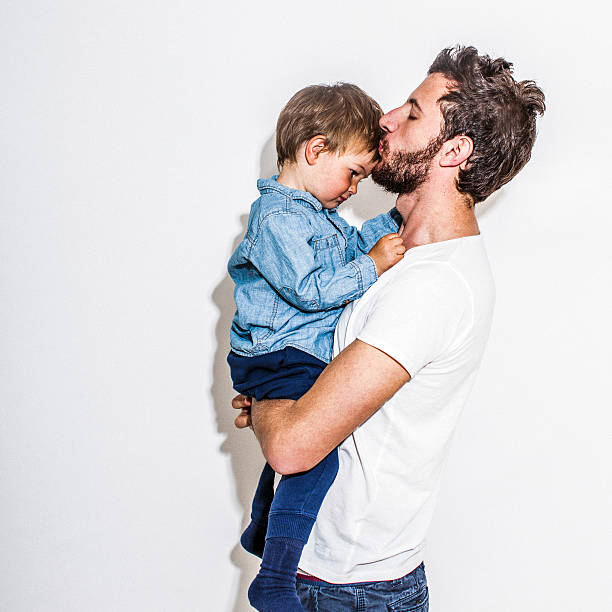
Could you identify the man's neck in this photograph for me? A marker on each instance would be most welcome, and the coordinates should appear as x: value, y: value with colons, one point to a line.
x: 434, y: 213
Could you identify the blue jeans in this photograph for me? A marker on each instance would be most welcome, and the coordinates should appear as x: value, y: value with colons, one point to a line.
x: 407, y: 594
x: 288, y: 374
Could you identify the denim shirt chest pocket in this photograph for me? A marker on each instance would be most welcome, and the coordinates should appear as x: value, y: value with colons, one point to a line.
x: 328, y: 252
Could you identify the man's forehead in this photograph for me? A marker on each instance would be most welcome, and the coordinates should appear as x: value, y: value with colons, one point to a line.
x: 431, y: 89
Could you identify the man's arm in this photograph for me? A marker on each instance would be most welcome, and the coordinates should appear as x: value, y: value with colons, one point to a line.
x: 295, y: 436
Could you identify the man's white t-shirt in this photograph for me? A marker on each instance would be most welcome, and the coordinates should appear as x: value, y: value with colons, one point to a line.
x: 432, y: 313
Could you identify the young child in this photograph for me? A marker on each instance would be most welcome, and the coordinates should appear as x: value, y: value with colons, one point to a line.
x: 298, y: 265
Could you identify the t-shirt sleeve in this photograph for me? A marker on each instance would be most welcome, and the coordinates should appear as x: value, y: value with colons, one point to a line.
x: 416, y: 317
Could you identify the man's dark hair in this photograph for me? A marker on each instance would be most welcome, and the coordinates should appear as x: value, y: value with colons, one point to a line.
x: 495, y: 111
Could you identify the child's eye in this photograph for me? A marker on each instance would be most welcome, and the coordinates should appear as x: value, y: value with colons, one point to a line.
x: 411, y: 117
x: 354, y: 172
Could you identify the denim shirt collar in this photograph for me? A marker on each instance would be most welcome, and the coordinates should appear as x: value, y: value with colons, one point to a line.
x: 271, y: 184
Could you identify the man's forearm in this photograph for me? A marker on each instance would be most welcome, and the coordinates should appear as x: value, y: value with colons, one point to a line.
x: 267, y: 418
x: 295, y: 436
x: 286, y: 439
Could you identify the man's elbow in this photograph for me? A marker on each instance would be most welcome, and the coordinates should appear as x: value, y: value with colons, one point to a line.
x: 285, y: 460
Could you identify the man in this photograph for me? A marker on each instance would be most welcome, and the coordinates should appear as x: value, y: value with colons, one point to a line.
x: 406, y: 354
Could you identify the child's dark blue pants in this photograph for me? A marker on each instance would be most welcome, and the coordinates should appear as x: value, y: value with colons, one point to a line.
x: 285, y: 374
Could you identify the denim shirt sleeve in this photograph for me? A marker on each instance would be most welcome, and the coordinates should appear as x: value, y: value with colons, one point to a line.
x: 371, y: 232
x: 283, y: 253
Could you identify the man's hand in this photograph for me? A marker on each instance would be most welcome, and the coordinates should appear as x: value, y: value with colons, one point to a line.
x: 243, y: 403
x: 387, y: 252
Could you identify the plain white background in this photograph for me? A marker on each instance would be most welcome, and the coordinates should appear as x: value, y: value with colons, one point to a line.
x: 132, y: 136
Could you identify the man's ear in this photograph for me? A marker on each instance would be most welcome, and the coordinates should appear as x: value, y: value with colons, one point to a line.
x: 314, y: 147
x: 456, y: 151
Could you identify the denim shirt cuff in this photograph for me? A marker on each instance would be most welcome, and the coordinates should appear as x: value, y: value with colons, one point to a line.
x: 366, y: 272
x: 396, y: 217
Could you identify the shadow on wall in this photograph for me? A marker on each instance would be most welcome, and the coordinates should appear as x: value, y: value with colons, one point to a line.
x: 484, y: 208
x: 241, y: 446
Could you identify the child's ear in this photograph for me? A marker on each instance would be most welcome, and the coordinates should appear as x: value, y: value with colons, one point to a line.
x: 314, y: 147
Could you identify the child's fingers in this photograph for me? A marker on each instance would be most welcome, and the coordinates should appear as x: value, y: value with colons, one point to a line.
x: 396, y: 245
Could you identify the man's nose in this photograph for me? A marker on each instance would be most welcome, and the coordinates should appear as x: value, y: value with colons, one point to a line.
x: 388, y: 122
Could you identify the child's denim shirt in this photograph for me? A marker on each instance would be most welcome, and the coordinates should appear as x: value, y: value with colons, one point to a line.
x: 296, y: 268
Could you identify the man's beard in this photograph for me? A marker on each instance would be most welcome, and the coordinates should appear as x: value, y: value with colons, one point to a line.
x: 404, y: 171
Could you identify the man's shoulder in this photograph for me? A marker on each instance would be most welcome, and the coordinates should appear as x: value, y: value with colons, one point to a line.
x: 463, y: 257
x: 438, y: 279
x: 455, y: 270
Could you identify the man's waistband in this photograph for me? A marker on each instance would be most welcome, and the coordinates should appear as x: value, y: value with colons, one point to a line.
x: 309, y: 577
x: 420, y: 571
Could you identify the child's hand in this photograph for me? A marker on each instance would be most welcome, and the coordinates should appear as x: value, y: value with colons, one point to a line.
x: 387, y: 252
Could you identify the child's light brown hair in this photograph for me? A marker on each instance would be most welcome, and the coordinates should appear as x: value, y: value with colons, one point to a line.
x: 342, y: 112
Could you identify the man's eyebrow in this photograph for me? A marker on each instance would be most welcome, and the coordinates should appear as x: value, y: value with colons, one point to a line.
x: 415, y: 103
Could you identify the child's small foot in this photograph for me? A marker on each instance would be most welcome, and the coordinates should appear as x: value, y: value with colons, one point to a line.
x: 273, y: 589
x: 253, y: 538
x: 267, y: 596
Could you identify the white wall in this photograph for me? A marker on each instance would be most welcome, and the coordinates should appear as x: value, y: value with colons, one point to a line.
x: 132, y: 135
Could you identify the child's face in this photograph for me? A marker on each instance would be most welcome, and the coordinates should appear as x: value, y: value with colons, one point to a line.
x: 334, y: 177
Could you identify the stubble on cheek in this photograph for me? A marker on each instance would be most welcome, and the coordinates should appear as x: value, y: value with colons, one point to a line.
x: 404, y: 171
